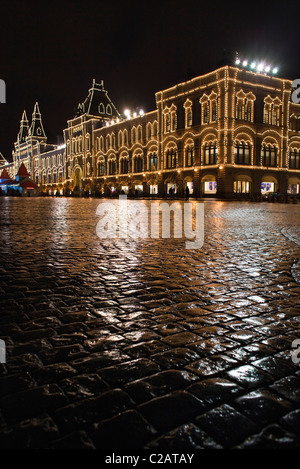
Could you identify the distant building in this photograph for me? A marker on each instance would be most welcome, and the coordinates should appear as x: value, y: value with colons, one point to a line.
x: 228, y: 133
x: 21, y: 185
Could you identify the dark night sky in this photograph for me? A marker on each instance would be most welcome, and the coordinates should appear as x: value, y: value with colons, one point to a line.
x: 51, y: 51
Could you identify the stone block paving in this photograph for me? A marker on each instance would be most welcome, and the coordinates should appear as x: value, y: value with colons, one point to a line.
x: 143, y: 344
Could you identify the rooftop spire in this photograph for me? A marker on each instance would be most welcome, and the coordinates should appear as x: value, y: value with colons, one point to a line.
x: 24, y: 126
x: 36, y: 129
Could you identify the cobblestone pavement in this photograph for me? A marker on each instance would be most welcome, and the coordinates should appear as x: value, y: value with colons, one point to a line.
x: 142, y: 343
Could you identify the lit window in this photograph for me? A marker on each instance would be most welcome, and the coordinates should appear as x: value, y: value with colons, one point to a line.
x: 210, y: 153
x: 242, y: 153
x: 294, y: 159
x: 269, y: 156
x: 189, y: 155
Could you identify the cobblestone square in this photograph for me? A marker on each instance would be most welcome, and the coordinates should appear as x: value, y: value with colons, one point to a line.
x: 144, y: 344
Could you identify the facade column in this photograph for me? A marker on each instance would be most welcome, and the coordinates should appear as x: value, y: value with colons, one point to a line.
x: 196, y: 184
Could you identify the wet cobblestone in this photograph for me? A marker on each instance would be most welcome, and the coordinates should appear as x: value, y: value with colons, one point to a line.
x: 143, y: 343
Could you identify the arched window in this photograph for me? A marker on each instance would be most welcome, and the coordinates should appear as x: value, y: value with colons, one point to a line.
x: 153, y: 161
x: 189, y: 155
x: 139, y: 132
x: 276, y: 115
x: 168, y: 122
x: 294, y: 158
x: 188, y: 117
x: 269, y: 155
x: 125, y: 137
x: 240, y: 109
x: 173, y: 121
x: 133, y: 135
x: 101, y: 143
x: 248, y: 112
x: 210, y: 153
x: 101, y: 167
x: 214, y: 112
x: 120, y: 138
x: 138, y: 164
x: 108, y: 109
x: 171, y: 158
x: 242, y: 152
x: 101, y: 108
x: 206, y: 116
x: 108, y: 142
x: 149, y: 131
x: 112, y: 166
x: 124, y: 166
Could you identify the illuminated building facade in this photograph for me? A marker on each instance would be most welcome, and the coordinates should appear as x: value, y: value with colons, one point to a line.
x: 231, y: 132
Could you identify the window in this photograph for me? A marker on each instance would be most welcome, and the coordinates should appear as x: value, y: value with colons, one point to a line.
x: 138, y: 164
x: 125, y: 137
x: 269, y: 156
x: 206, y: 113
x: 248, y: 112
x: 101, y: 108
x: 210, y: 153
x: 272, y: 111
x: 239, y: 110
x: 149, y: 130
x: 139, y: 132
x: 189, y: 155
x: 101, y: 168
x: 214, y: 112
x: 108, y: 142
x: 242, y: 153
x: 108, y: 109
x: 188, y: 117
x: 112, y: 167
x: 294, y: 159
x: 174, y: 121
x: 133, y: 135
x: 120, y: 138
x: 124, y: 166
x: 295, y: 123
x: 168, y: 123
x: 171, y: 158
x: 242, y: 187
x: 153, y: 161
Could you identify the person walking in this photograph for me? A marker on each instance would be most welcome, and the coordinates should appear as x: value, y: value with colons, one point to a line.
x: 187, y: 193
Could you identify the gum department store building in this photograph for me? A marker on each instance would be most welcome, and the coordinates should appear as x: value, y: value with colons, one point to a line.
x: 228, y: 132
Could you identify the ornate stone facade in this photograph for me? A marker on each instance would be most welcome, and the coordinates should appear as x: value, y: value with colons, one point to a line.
x: 225, y: 133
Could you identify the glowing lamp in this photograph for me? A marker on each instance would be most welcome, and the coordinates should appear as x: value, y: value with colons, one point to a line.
x: 260, y: 67
x: 245, y: 63
x: 275, y: 70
